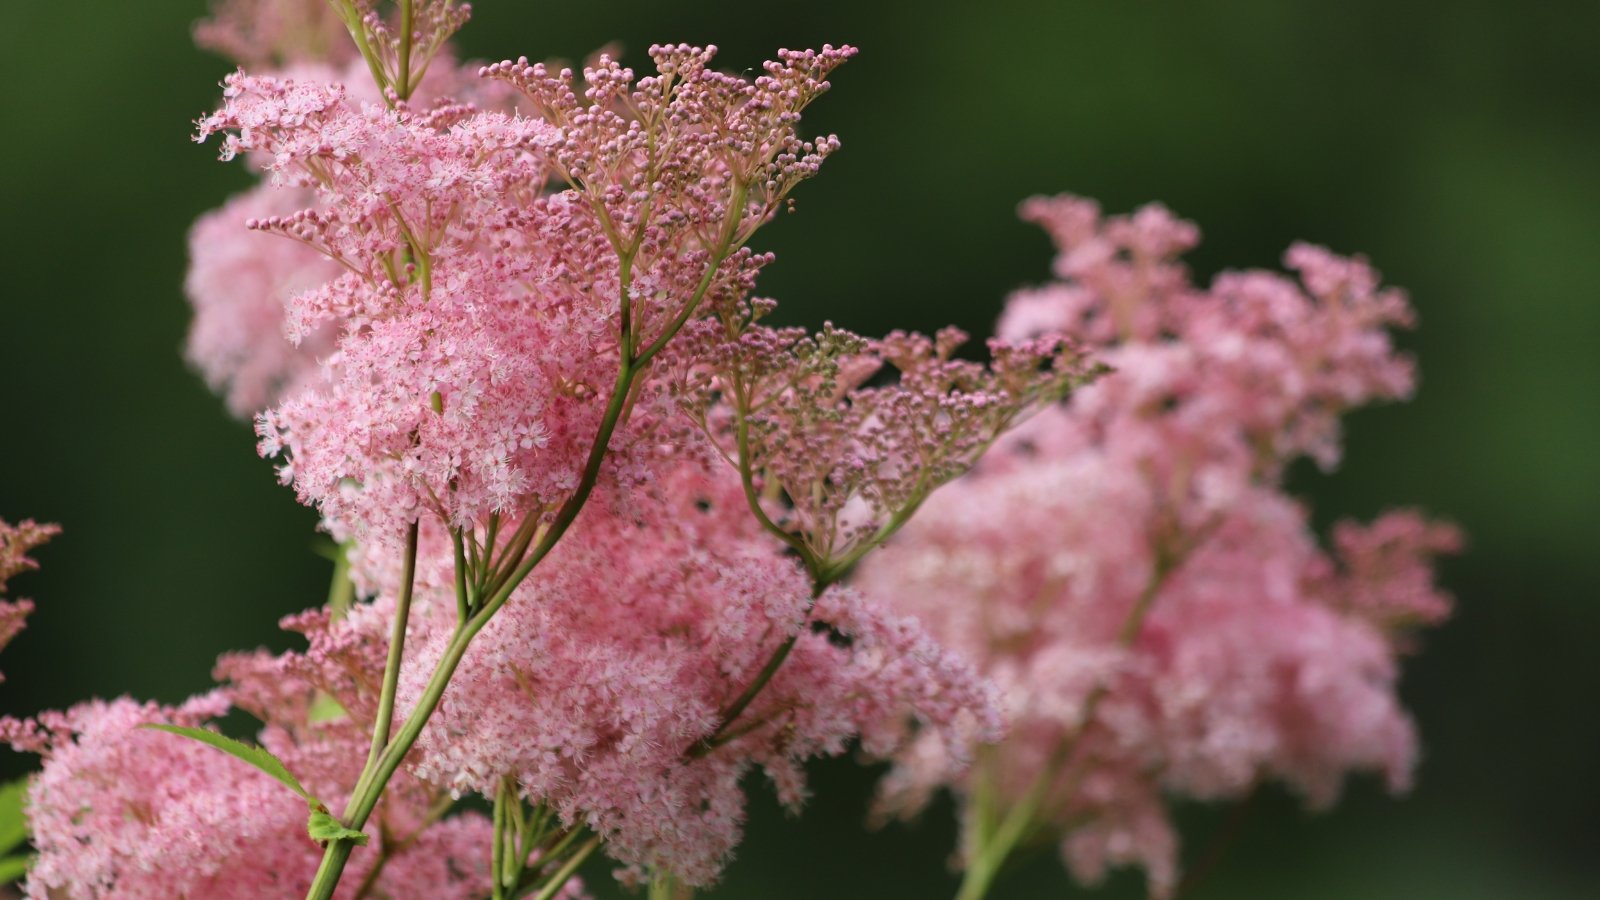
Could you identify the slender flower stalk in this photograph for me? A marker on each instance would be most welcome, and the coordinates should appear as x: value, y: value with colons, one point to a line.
x: 382, y: 721
x: 991, y: 844
x: 559, y: 878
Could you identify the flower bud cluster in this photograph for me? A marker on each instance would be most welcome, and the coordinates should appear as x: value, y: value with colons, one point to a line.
x: 15, y: 543
x: 841, y: 438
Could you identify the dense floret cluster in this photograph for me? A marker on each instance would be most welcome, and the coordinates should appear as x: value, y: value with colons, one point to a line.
x: 1156, y: 609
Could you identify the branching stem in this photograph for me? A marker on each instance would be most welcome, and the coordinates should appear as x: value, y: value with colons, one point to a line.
x: 382, y: 766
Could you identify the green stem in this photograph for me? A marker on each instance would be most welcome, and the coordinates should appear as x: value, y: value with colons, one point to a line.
x: 559, y: 847
x: 397, y: 642
x: 991, y: 849
x: 666, y: 887
x: 994, y: 847
x: 365, y: 798
x: 517, y: 840
x: 733, y: 710
x: 342, y: 591
x: 338, y: 852
x: 564, y: 874
x: 371, y: 881
x: 373, y: 782
x: 402, y: 74
x: 327, y: 877
x: 497, y: 859
x: 358, y: 33
x: 463, y: 600
x: 511, y: 844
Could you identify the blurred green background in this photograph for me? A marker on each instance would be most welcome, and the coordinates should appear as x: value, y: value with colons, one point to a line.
x: 1456, y: 144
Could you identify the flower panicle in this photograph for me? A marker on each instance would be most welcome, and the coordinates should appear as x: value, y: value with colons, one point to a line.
x: 842, y: 438
x: 16, y: 542
x: 1156, y: 609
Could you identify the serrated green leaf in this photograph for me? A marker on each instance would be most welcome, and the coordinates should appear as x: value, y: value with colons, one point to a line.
x: 255, y: 756
x: 323, y: 828
x: 14, y: 867
x: 13, y: 821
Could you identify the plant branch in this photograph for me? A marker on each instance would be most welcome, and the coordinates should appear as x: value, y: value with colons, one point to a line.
x: 397, y: 641
x: 368, y: 791
x: 991, y: 849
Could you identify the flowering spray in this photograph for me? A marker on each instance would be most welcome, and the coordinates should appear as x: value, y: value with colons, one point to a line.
x: 595, y: 518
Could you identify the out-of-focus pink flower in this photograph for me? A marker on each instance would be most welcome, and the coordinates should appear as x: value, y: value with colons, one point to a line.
x: 261, y: 34
x: 240, y: 285
x: 1155, y: 609
x: 15, y: 543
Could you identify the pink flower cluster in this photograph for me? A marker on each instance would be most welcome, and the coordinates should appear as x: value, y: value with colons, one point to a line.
x: 1155, y: 608
x: 15, y: 543
x: 496, y: 323
x: 264, y: 34
x: 241, y: 283
x: 239, y: 286
x: 122, y: 811
x: 489, y: 276
x: 836, y: 456
x: 478, y: 310
x: 597, y: 687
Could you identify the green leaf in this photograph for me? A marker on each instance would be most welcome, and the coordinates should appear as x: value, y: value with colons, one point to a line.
x: 13, y: 821
x: 255, y: 756
x: 325, y: 709
x: 14, y: 867
x: 323, y: 828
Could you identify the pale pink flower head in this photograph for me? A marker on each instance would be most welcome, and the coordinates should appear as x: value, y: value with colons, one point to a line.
x: 240, y: 285
x: 249, y: 340
x: 1299, y: 356
x: 1383, y: 571
x: 1272, y: 361
x: 1119, y: 276
x: 263, y: 34
x: 1127, y: 567
x: 450, y: 368
x: 123, y: 811
x: 478, y: 312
